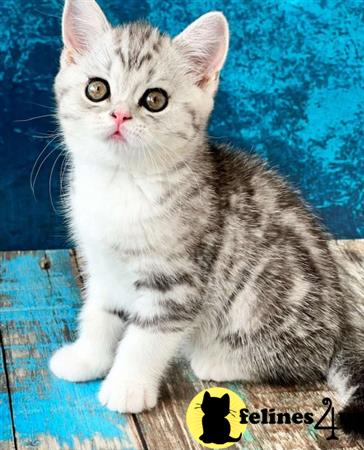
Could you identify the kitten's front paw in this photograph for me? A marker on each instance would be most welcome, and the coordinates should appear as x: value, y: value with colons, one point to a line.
x: 75, y: 362
x: 126, y: 396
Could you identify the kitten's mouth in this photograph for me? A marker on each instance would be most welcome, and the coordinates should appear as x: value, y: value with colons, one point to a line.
x: 117, y: 136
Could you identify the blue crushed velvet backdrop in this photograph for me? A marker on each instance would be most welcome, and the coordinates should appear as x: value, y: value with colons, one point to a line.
x: 292, y: 90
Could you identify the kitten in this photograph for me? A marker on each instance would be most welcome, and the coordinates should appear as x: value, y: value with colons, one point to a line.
x: 216, y: 428
x: 187, y: 244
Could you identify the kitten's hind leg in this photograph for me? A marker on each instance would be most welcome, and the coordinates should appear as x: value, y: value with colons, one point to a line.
x: 91, y: 355
x: 218, y: 364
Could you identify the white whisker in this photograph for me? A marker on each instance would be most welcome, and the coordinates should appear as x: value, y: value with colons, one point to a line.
x: 35, y: 118
x: 36, y: 162
x: 50, y: 180
x: 42, y: 163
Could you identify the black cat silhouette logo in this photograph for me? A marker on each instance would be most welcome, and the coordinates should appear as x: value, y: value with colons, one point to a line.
x: 216, y: 427
x: 213, y: 418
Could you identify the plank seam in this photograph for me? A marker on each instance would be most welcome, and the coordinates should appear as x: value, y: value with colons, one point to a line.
x: 48, y: 274
x: 73, y: 253
x: 140, y: 432
x: 7, y: 379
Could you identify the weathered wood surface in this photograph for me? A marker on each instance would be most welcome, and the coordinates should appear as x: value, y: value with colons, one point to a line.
x: 6, y: 429
x: 38, y: 317
x: 39, y: 300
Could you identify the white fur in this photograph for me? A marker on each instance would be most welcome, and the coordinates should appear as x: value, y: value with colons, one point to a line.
x: 92, y: 355
x: 113, y: 201
x: 133, y: 382
x: 340, y: 382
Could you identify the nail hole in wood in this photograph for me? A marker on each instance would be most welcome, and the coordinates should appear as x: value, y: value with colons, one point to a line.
x: 45, y: 263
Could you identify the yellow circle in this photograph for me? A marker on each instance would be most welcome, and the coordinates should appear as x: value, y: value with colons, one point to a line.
x: 213, y: 419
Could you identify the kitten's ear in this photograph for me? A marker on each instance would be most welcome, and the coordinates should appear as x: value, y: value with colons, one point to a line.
x: 205, y: 43
x: 82, y: 24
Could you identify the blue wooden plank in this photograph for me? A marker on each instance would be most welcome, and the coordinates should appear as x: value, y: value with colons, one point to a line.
x: 6, y: 432
x: 39, y: 316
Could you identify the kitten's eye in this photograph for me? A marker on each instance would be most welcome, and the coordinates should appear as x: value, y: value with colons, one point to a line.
x: 154, y: 100
x: 97, y: 90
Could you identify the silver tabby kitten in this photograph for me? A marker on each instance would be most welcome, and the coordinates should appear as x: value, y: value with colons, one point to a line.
x: 189, y: 245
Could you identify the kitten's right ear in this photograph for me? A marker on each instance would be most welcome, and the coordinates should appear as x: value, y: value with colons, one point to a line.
x: 82, y: 25
x: 206, y: 396
x: 205, y: 44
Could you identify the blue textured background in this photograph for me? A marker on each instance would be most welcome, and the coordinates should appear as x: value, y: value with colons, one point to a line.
x: 292, y: 89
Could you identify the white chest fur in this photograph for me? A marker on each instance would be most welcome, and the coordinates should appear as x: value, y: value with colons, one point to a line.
x: 114, y: 214
x: 112, y: 208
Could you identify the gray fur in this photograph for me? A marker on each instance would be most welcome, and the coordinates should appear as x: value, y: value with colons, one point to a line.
x: 228, y: 253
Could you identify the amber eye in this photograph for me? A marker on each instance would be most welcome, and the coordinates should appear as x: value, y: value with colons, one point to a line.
x: 97, y: 90
x: 154, y: 100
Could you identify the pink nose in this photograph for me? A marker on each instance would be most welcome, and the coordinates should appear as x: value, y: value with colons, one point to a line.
x: 120, y: 117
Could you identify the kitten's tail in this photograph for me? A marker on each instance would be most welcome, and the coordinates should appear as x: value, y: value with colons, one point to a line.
x: 346, y: 373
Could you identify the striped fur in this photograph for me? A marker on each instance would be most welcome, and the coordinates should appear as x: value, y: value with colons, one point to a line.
x: 188, y: 244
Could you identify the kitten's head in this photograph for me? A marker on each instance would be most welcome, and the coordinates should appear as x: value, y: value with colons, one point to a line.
x: 131, y: 96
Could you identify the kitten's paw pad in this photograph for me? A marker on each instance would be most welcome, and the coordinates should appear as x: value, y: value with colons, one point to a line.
x: 125, y: 396
x: 73, y: 363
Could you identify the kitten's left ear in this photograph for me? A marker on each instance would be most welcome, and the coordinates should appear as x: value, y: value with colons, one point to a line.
x: 205, y: 44
x: 82, y: 25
